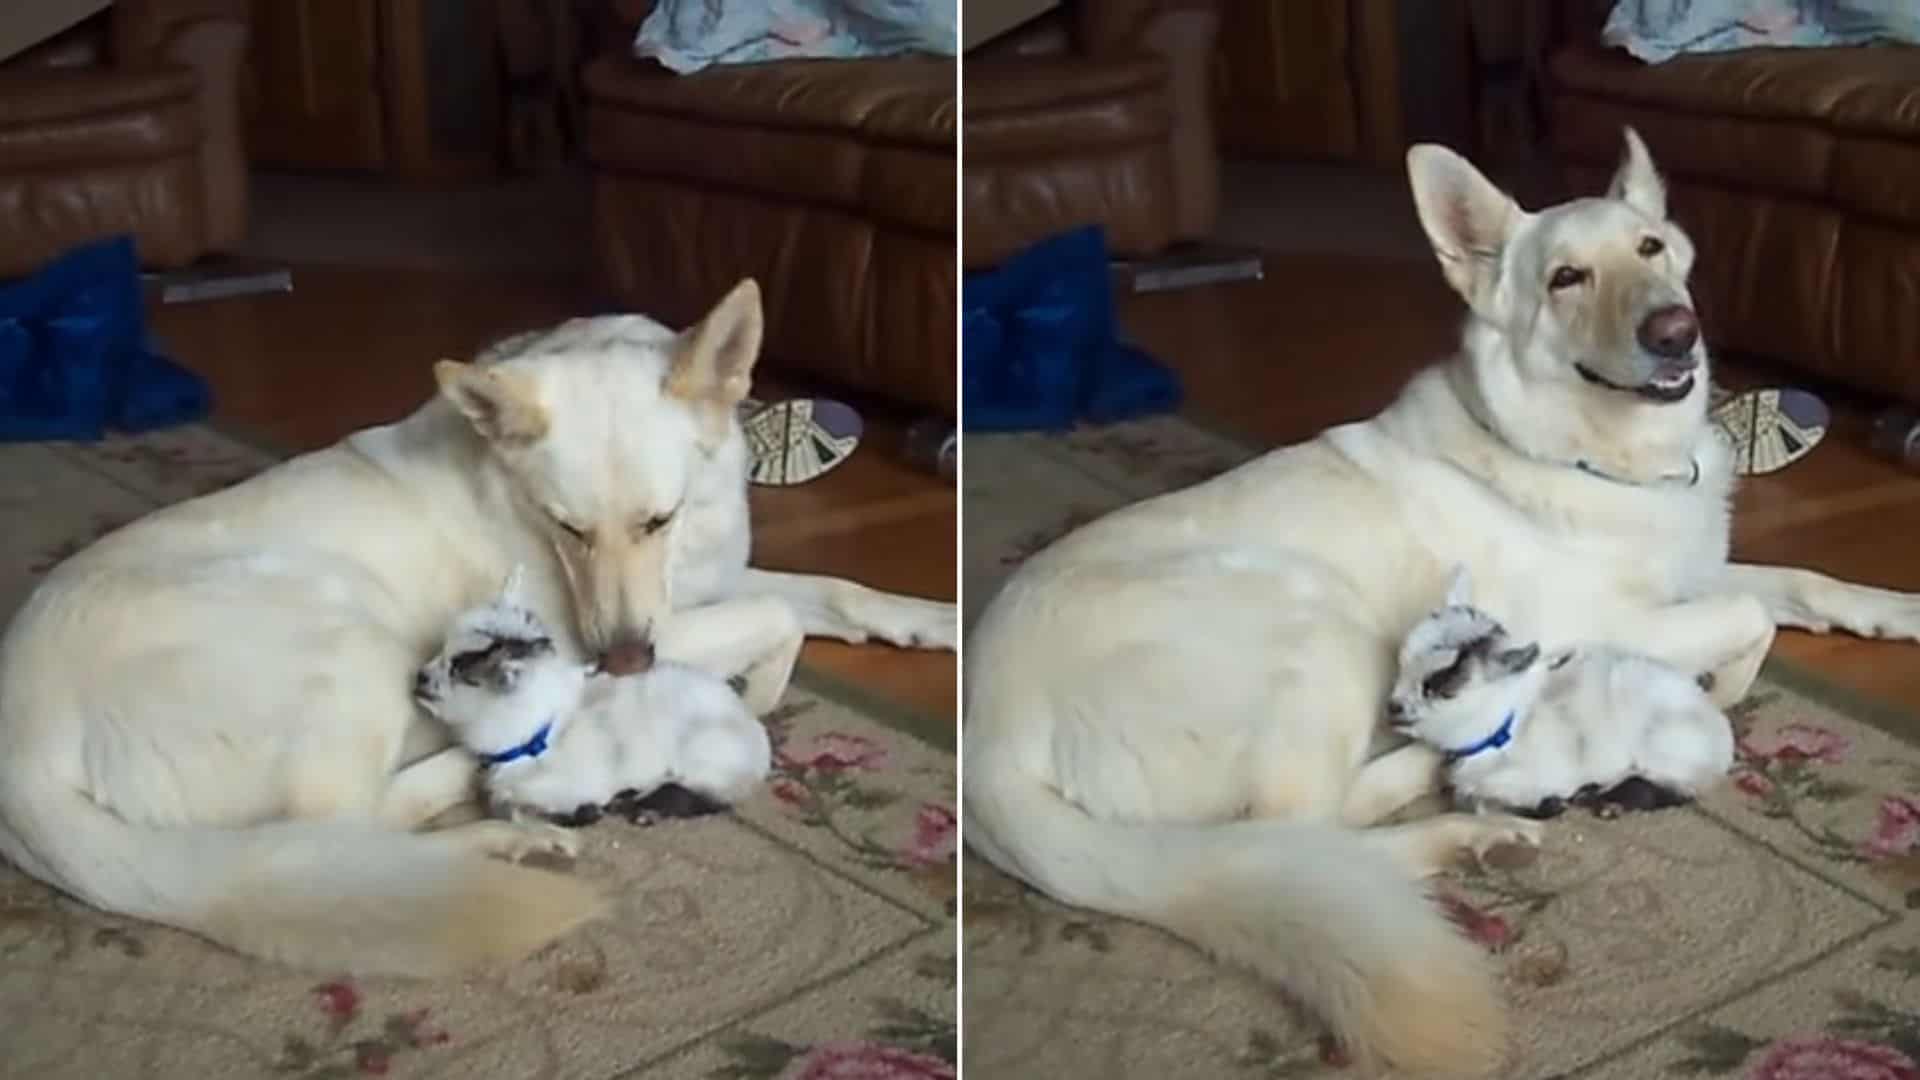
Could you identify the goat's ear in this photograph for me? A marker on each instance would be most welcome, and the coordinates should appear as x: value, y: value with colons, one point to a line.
x: 511, y: 588
x: 1460, y: 587
x: 1518, y: 659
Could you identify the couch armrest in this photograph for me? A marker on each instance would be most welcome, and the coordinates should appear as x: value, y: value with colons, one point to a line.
x: 1576, y: 22
x: 144, y: 31
x: 621, y: 21
x: 209, y: 37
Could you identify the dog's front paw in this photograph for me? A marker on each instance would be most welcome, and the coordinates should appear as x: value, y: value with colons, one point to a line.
x: 1502, y: 840
x: 517, y: 841
x: 920, y: 624
x: 1890, y: 614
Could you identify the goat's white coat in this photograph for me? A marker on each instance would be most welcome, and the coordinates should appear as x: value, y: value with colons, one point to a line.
x: 1593, y: 715
x: 671, y: 724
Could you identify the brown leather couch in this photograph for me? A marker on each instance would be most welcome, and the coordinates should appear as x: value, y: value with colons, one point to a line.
x: 1097, y: 116
x: 128, y: 123
x: 1796, y: 171
x: 831, y: 181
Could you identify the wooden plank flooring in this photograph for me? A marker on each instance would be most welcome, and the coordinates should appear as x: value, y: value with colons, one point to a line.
x: 1327, y: 339
x: 353, y: 347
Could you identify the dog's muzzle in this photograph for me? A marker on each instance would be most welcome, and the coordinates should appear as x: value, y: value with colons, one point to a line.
x: 1668, y: 334
x: 628, y: 656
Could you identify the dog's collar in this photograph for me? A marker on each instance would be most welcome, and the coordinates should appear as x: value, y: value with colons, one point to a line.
x: 1501, y: 736
x: 1671, y: 479
x: 532, y: 748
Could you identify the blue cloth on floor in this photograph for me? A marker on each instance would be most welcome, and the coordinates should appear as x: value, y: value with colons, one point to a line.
x: 75, y: 360
x: 1039, y: 346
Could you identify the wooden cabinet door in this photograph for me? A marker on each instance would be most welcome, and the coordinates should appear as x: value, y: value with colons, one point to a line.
x: 1282, y: 83
x: 314, y: 85
x: 1311, y: 78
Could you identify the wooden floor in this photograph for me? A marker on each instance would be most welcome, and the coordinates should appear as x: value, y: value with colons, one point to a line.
x: 352, y: 347
x: 1327, y: 339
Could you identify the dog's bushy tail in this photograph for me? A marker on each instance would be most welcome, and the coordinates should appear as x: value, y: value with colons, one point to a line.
x: 337, y: 897
x: 1307, y: 906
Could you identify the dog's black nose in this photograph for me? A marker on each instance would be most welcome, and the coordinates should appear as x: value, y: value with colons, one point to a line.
x: 628, y: 656
x: 1669, y: 332
x: 422, y: 686
x: 1396, y: 712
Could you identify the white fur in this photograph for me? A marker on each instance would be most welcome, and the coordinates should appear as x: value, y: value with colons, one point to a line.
x: 1590, y: 716
x: 205, y: 719
x: 1171, y: 712
x: 671, y: 724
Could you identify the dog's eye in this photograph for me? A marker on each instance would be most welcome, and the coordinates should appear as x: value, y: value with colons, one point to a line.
x: 574, y: 532
x: 1651, y: 246
x: 1566, y: 277
x: 652, y: 525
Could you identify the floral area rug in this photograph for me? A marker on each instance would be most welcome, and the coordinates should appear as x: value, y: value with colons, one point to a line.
x: 1771, y: 932
x: 811, y: 934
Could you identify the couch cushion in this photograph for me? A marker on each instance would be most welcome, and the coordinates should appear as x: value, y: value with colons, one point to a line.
x: 874, y: 137
x: 1057, y: 142
x: 1839, y: 125
x: 1058, y: 105
x: 1840, y: 85
x: 68, y: 117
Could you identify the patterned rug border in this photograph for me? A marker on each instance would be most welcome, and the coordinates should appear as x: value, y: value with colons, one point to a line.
x: 929, y: 929
x: 1889, y: 919
x: 920, y: 724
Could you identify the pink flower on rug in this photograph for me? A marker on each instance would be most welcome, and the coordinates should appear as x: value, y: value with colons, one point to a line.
x: 1753, y: 783
x: 840, y: 751
x: 1490, y: 930
x: 933, y: 836
x: 870, y: 1061
x: 339, y: 1000
x: 1819, y: 1057
x: 1897, y: 829
x: 419, y: 1034
x: 1799, y: 742
x: 791, y: 793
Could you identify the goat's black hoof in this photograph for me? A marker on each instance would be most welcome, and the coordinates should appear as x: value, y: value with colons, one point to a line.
x: 674, y: 801
x: 583, y: 815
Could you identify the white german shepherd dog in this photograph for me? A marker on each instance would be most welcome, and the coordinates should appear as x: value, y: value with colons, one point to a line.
x: 1170, y: 711
x: 206, y: 717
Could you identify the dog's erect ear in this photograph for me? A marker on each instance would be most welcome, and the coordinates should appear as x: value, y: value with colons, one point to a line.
x: 1637, y: 183
x: 1517, y: 660
x: 1460, y: 589
x: 1467, y: 220
x: 713, y: 361
x: 499, y: 404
